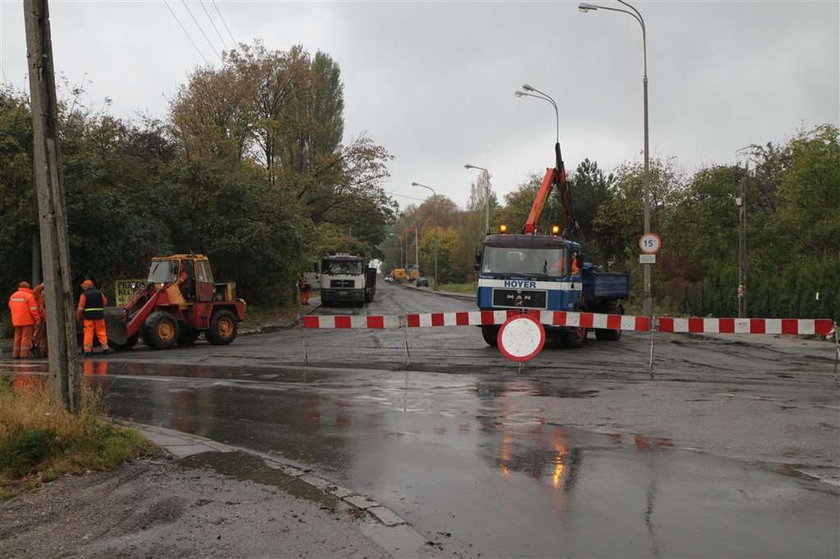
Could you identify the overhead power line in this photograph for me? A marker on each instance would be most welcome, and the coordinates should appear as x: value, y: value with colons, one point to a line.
x: 225, y: 23
x: 216, y: 29
x: 200, y: 28
x: 187, y: 33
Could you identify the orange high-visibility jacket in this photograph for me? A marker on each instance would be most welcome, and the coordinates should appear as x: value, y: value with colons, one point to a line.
x: 24, y: 308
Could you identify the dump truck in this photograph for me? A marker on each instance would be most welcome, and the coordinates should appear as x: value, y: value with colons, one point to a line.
x: 345, y: 279
x: 179, y: 302
x: 546, y: 271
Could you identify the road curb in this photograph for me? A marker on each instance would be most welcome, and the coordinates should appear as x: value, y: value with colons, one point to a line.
x: 181, y: 445
x: 286, y: 325
x: 464, y: 296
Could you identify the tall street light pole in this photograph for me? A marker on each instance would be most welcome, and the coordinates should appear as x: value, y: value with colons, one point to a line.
x: 434, y: 194
x: 635, y: 14
x: 487, y: 201
x: 531, y: 91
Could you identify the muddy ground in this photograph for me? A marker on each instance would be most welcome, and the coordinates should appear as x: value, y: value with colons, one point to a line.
x: 169, y: 508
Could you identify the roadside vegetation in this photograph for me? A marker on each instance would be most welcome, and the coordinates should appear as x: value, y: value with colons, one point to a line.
x: 40, y: 442
x: 468, y: 287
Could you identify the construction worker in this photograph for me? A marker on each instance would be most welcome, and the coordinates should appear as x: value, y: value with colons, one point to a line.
x: 25, y: 316
x: 304, y: 288
x: 91, y: 310
x: 575, y: 268
x: 39, y: 334
x: 184, y: 281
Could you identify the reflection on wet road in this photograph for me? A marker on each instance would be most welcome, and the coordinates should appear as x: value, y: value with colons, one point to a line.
x: 474, y: 463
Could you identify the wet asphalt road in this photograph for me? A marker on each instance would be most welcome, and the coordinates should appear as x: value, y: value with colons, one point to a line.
x: 578, y: 454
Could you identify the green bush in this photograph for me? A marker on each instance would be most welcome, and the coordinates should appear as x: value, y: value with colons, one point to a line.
x: 21, y: 453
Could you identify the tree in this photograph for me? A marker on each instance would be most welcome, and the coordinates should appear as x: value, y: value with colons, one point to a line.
x: 17, y: 196
x: 590, y: 189
x: 810, y: 193
x: 438, y: 251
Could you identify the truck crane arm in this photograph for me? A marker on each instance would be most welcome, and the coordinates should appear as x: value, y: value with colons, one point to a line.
x: 555, y: 177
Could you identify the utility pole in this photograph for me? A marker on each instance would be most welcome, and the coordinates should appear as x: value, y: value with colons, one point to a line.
x: 65, y: 385
x: 416, y: 249
x: 742, y: 247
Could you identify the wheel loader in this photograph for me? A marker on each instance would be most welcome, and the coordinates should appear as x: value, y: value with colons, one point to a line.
x: 179, y: 302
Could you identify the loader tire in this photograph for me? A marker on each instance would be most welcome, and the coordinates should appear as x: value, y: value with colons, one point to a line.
x: 129, y: 343
x: 160, y: 330
x: 223, y: 328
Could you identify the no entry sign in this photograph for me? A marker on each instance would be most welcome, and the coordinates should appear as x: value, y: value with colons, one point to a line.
x: 521, y: 338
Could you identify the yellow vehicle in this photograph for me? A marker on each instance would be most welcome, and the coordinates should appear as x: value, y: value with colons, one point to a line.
x: 399, y: 275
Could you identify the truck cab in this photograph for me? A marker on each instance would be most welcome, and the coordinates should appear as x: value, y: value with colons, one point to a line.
x: 346, y: 280
x: 528, y: 272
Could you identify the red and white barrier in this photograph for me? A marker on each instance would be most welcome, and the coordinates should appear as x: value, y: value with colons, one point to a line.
x: 789, y: 326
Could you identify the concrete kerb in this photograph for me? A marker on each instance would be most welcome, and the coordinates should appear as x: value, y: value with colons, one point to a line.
x: 282, y: 325
x: 181, y: 445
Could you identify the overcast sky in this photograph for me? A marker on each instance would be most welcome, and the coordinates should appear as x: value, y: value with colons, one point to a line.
x: 433, y: 81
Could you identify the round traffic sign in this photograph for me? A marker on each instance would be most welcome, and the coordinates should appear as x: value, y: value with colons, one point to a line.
x: 521, y: 338
x: 650, y: 243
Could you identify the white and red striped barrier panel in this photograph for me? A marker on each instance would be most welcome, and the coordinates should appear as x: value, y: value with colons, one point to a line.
x: 791, y: 326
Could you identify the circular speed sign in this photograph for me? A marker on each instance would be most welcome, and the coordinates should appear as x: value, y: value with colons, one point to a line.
x: 650, y: 243
x: 521, y: 338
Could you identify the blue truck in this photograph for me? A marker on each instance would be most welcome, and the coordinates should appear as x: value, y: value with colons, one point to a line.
x: 533, y: 271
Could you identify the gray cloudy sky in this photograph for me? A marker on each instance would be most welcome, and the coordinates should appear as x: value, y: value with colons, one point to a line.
x: 434, y: 81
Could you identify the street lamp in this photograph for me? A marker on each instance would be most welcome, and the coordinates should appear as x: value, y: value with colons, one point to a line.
x: 531, y: 91
x: 436, y: 239
x: 487, y: 201
x: 635, y: 14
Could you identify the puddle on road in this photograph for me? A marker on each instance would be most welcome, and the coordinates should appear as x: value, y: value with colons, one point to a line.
x: 244, y: 466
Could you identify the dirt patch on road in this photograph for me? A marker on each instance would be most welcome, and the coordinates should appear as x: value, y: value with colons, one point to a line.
x: 158, y: 508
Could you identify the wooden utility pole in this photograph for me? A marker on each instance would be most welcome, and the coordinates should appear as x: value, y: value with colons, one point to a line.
x: 65, y: 385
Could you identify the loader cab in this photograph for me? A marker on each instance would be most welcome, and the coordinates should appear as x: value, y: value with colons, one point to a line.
x: 199, y: 285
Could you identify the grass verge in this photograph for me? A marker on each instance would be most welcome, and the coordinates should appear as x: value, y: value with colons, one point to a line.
x: 40, y: 442
x: 469, y: 287
x: 258, y: 317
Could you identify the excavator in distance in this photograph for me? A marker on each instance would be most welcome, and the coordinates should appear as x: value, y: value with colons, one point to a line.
x: 179, y: 302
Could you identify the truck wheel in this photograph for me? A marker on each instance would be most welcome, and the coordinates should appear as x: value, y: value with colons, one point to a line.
x: 490, y: 335
x: 160, y: 330
x: 603, y: 334
x: 574, y: 338
x: 223, y: 328
x: 187, y: 336
x: 129, y: 343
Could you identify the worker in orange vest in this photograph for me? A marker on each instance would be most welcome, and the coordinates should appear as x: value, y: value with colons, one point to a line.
x: 91, y: 310
x: 304, y: 289
x: 25, y: 315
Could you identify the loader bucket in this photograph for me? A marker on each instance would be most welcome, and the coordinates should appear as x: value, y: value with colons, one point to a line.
x: 115, y: 325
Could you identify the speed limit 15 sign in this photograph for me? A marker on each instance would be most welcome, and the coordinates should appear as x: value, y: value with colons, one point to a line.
x: 650, y: 243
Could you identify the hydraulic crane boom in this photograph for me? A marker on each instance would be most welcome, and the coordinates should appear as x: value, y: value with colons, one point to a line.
x: 555, y: 177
